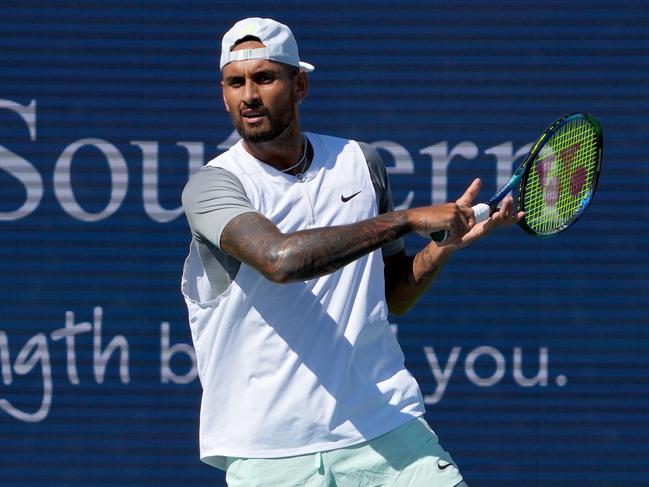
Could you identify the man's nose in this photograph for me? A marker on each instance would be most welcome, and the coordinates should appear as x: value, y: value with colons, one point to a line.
x: 251, y: 93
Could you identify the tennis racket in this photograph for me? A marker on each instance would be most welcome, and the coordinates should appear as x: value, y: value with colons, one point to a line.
x: 556, y: 180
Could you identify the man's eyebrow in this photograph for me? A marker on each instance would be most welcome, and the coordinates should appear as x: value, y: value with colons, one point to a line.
x: 232, y: 77
x: 261, y: 71
x: 265, y: 70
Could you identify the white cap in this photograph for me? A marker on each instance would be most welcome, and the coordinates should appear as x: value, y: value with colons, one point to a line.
x: 278, y: 39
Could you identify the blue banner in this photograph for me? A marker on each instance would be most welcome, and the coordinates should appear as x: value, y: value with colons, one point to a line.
x: 532, y: 354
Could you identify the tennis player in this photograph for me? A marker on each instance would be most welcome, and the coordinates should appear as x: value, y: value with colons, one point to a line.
x: 296, y: 258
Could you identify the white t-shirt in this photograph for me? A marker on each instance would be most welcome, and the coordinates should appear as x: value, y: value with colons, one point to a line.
x: 290, y: 369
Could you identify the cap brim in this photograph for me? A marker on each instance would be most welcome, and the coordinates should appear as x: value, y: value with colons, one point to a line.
x: 306, y: 67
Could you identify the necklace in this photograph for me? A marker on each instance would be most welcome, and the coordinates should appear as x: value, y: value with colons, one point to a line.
x: 302, y: 159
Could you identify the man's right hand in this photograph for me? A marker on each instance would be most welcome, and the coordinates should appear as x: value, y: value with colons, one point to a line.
x: 456, y: 219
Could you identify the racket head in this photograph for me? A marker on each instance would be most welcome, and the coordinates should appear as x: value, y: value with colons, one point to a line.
x: 561, y: 175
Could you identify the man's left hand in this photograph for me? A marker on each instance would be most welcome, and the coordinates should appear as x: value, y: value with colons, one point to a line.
x: 505, y: 216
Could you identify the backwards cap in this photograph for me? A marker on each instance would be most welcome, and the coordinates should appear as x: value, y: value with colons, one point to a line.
x: 277, y: 38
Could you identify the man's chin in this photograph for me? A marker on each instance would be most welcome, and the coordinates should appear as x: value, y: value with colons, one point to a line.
x: 256, y: 136
x: 263, y: 132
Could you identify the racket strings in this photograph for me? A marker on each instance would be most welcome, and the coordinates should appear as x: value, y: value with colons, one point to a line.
x: 562, y: 178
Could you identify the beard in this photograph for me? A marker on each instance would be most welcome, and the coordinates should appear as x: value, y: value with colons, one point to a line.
x: 278, y: 126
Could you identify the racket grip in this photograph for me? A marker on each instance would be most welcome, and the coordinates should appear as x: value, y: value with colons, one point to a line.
x: 481, y: 212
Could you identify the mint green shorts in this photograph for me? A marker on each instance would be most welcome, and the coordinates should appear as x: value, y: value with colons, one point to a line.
x: 407, y: 456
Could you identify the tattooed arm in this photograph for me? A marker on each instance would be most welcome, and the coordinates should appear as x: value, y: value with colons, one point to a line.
x: 305, y: 254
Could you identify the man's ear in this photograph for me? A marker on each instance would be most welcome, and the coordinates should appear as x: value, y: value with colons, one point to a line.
x: 301, y: 86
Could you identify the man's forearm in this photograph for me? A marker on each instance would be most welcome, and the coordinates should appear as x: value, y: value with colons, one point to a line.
x: 308, y: 253
x: 408, y: 277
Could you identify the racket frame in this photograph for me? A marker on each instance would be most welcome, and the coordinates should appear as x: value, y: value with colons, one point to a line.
x: 523, y: 173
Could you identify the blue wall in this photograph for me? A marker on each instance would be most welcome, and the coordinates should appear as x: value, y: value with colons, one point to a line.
x: 107, y: 106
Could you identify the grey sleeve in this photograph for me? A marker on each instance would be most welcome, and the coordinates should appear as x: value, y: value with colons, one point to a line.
x: 211, y: 199
x: 381, y: 184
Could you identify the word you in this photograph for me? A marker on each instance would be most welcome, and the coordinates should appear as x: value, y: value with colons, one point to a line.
x: 497, y: 369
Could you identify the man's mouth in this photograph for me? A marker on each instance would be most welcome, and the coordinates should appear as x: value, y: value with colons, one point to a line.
x: 253, y: 116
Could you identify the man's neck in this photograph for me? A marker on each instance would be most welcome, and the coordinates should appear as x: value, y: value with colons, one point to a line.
x: 281, y: 152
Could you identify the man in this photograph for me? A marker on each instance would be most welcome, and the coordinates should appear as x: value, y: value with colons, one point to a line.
x: 296, y: 258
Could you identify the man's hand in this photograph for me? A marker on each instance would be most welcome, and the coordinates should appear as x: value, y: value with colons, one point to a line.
x: 456, y: 218
x: 504, y: 217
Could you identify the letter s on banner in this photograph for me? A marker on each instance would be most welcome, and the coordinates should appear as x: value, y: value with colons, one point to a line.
x: 21, y: 168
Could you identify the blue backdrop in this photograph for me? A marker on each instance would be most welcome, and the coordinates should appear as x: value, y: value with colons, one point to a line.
x: 532, y: 354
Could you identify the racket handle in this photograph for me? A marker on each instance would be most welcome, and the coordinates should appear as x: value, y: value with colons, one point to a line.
x: 481, y: 211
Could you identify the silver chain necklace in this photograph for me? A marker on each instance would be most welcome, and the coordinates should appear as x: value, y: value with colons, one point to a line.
x: 302, y: 159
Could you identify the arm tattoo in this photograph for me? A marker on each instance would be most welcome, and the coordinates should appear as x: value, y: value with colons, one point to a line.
x: 305, y: 254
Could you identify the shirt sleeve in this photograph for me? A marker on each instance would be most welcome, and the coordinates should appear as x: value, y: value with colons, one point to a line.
x: 381, y: 183
x: 211, y: 199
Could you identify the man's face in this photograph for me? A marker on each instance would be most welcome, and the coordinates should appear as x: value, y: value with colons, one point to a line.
x: 260, y: 96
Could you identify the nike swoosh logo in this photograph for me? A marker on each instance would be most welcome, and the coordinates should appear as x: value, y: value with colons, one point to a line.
x: 345, y: 199
x: 443, y: 466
